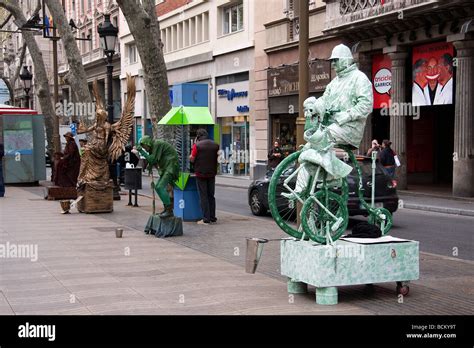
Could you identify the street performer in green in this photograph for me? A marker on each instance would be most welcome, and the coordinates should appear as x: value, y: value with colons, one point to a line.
x: 164, y: 157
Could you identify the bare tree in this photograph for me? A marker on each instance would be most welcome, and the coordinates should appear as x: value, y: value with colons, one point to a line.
x: 76, y: 76
x: 144, y: 26
x: 10, y: 81
x: 41, y: 78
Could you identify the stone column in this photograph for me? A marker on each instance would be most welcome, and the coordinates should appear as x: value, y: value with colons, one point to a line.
x: 463, y: 157
x: 398, y: 133
x: 364, y: 62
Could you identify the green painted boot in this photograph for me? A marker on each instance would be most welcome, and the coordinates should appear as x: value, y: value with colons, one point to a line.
x: 168, y: 212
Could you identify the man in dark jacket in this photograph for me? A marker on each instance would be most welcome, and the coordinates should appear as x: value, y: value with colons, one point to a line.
x: 204, y: 156
x: 2, y: 184
x: 275, y: 156
x: 387, y: 158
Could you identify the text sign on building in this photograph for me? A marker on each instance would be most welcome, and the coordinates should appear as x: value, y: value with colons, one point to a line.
x: 285, y: 80
x: 381, y: 80
x: 233, y: 99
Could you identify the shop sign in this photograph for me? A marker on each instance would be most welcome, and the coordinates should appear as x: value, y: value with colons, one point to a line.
x: 433, y: 74
x: 233, y: 99
x: 381, y: 80
x: 231, y: 94
x: 285, y: 80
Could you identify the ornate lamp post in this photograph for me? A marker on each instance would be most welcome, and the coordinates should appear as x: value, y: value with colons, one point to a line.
x: 108, y: 36
x: 26, y: 77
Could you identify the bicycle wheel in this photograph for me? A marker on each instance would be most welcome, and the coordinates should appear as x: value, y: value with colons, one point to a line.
x: 379, y: 217
x: 283, y: 209
x: 315, y: 220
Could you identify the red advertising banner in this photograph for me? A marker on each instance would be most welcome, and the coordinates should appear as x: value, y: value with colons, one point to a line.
x: 381, y: 80
x: 433, y: 74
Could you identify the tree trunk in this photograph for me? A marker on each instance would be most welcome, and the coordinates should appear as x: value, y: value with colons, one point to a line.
x: 40, y: 77
x: 76, y: 76
x: 144, y: 26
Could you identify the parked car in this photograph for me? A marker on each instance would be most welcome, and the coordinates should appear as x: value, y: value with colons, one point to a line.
x: 385, y: 189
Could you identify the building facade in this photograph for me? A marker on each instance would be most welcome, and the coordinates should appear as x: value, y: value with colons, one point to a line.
x: 87, y: 15
x: 207, y: 42
x: 276, y: 81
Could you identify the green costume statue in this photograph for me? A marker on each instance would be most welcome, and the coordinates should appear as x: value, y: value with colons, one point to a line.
x: 346, y: 103
x: 164, y: 157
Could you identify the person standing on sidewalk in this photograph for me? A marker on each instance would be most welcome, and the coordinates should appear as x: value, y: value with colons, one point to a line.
x: 204, y: 156
x: 275, y: 156
x: 375, y: 147
x: 2, y: 183
x: 387, y: 158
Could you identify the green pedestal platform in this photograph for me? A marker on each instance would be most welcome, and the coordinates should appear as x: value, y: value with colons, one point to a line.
x: 327, y: 267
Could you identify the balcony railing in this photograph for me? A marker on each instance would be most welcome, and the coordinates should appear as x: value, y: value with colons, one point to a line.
x: 344, y: 12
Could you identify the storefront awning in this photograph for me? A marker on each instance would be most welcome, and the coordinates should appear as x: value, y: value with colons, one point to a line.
x: 185, y: 115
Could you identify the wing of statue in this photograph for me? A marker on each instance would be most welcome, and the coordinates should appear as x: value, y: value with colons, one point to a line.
x: 121, y: 129
x: 99, y: 103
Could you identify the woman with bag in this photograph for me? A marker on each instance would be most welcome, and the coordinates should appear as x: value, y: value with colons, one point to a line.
x: 388, y: 158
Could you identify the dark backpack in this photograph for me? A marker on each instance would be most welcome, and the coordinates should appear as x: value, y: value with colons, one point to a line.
x: 365, y: 230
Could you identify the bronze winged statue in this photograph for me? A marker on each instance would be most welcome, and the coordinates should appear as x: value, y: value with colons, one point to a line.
x: 107, y: 141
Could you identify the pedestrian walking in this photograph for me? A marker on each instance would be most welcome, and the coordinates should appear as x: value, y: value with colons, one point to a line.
x: 2, y: 183
x: 275, y: 156
x: 387, y: 158
x: 375, y: 147
x: 204, y: 155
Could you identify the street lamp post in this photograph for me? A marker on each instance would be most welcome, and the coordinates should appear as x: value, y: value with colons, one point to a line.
x: 108, y: 36
x: 26, y: 76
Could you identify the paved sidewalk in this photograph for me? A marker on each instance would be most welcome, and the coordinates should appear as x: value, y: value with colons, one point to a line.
x: 82, y: 269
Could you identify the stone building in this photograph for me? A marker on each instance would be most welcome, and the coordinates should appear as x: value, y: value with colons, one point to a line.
x: 87, y: 14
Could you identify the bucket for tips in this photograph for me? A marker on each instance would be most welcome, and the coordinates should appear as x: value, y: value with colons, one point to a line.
x: 65, y: 206
x: 118, y: 232
x: 253, y: 253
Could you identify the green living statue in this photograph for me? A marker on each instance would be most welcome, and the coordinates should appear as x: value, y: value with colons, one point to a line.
x: 164, y: 157
x: 347, y: 102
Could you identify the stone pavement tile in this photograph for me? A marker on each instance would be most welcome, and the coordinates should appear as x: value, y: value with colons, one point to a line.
x: 26, y: 274
x: 98, y: 287
x: 122, y: 306
x: 36, y: 284
x: 205, y: 309
x: 54, y: 307
x: 128, y: 296
x: 6, y: 310
x: 29, y: 293
x: 85, y: 281
x: 40, y: 299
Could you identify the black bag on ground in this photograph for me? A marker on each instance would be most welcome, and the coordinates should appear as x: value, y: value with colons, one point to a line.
x: 365, y: 230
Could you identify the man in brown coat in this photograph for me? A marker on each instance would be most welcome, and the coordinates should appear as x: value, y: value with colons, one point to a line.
x: 68, y: 166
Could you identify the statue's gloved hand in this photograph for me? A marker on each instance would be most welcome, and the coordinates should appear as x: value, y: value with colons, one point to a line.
x: 342, y: 117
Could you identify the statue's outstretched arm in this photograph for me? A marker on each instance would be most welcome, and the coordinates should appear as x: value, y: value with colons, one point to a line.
x: 81, y: 130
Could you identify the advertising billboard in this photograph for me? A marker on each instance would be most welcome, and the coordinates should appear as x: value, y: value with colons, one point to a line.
x: 381, y: 80
x: 433, y: 74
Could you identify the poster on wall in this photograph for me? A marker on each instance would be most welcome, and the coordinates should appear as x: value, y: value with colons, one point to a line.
x: 433, y: 74
x: 381, y: 80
